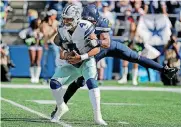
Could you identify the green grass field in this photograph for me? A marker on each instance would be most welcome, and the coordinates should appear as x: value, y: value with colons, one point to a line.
x: 120, y: 108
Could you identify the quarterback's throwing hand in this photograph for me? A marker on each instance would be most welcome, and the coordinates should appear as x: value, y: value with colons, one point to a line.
x: 74, y: 59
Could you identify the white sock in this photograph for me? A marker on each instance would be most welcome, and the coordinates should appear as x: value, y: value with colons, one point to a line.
x: 37, y: 73
x: 135, y: 74
x: 94, y: 95
x: 125, y: 73
x: 32, y: 74
x: 58, y: 95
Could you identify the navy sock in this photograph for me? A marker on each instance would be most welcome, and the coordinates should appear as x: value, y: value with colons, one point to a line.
x: 148, y: 63
x: 72, y: 88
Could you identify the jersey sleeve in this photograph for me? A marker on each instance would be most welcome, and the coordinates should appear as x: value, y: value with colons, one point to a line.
x: 87, y: 27
x: 59, y: 38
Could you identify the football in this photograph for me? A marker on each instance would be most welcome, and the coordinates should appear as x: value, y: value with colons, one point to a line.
x: 70, y: 54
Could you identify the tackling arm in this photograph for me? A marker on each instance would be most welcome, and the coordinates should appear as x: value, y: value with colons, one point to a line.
x: 95, y: 50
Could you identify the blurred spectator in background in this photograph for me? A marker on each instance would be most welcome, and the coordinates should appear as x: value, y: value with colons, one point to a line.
x: 178, y: 25
x: 121, y: 7
x: 107, y: 13
x: 5, y: 75
x: 5, y: 62
x: 75, y: 2
x: 155, y: 7
x: 99, y: 5
x: 172, y: 59
x: 101, y: 65
x: 173, y: 7
x: 49, y: 29
x: 138, y: 10
x: 111, y: 5
x: 4, y: 11
x: 55, y: 5
x: 128, y: 35
x: 34, y: 40
x: 32, y: 15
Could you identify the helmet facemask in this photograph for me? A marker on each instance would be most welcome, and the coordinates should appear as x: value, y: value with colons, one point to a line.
x: 68, y: 23
x: 70, y: 16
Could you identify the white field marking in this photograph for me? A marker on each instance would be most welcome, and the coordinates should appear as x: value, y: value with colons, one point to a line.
x: 51, y: 102
x: 119, y: 88
x: 33, y: 111
x: 123, y: 104
x: 121, y: 122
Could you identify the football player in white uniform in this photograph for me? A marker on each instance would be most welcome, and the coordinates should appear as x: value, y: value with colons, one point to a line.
x: 74, y: 37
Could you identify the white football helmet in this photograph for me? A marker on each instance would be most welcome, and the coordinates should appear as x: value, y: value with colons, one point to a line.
x: 71, y: 14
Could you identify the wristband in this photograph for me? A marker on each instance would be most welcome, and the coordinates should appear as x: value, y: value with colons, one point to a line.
x: 84, y: 56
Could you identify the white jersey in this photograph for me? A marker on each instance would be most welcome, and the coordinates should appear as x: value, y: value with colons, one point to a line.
x: 78, y: 40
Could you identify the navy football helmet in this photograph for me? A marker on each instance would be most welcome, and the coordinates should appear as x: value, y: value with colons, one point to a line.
x: 90, y: 13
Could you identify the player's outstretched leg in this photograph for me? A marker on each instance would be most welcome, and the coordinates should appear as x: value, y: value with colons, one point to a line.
x: 169, y: 72
x: 94, y: 95
x: 57, y: 92
x: 123, y: 52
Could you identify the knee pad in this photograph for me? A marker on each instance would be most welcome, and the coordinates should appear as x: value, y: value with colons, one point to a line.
x: 80, y: 82
x: 54, y: 84
x: 91, y: 83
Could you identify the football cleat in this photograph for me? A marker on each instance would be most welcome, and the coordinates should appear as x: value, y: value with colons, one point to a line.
x: 53, y: 113
x: 59, y: 112
x: 135, y: 82
x: 100, y: 122
x: 170, y: 72
x: 122, y: 81
x: 98, y: 118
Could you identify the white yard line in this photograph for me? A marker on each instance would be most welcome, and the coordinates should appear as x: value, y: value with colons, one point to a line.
x: 53, y: 102
x: 121, y: 122
x: 123, y: 104
x: 33, y: 111
x: 45, y: 102
x: 122, y: 88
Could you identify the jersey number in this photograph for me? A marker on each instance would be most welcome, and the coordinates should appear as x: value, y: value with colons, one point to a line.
x: 82, y: 25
